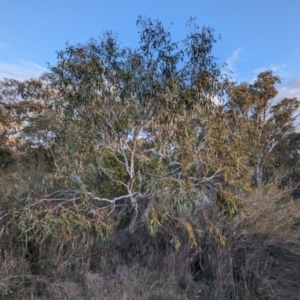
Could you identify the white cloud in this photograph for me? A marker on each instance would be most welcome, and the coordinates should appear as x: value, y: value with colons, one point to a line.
x: 290, y: 89
x: 231, y: 62
x: 21, y: 71
x: 4, y: 45
x: 278, y: 70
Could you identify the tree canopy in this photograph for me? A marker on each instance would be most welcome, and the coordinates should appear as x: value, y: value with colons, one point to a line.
x: 141, y: 128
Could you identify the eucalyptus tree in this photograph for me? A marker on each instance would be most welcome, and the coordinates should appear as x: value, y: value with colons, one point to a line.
x: 137, y: 119
x: 258, y: 124
x: 26, y: 112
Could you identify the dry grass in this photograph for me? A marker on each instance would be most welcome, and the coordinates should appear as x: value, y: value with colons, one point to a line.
x: 259, y: 259
x: 272, y: 211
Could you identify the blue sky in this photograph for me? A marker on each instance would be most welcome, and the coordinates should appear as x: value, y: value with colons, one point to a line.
x: 256, y: 35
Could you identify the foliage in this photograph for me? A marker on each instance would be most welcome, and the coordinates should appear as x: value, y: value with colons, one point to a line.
x: 124, y: 154
x: 133, y: 120
x: 257, y: 121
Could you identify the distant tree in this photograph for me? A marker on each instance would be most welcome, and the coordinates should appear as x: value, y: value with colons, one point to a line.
x: 257, y: 123
x: 27, y: 115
